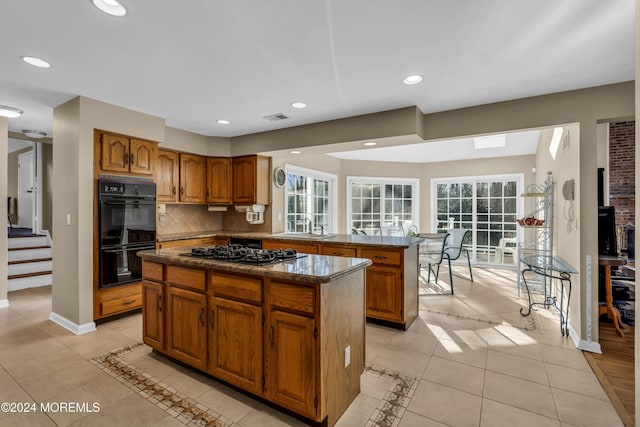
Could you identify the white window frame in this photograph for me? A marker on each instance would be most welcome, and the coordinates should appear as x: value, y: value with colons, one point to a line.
x: 518, y: 177
x: 333, y: 208
x: 414, y: 182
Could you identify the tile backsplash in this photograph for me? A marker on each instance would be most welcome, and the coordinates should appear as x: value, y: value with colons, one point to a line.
x: 188, y: 218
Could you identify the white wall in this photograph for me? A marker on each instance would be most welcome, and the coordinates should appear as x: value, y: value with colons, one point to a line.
x: 4, y: 144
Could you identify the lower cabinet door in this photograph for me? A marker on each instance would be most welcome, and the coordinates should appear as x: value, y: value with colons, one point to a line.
x: 152, y: 314
x: 384, y: 293
x: 291, y: 372
x: 186, y: 330
x: 235, y: 343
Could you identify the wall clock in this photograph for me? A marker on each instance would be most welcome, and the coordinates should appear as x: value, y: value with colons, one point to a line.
x: 280, y: 177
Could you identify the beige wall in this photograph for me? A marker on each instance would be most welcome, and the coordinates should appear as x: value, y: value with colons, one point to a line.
x: 74, y: 123
x: 4, y: 144
x: 566, y: 220
x: 180, y: 140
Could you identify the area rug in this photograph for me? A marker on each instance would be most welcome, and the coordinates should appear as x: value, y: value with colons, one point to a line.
x: 190, y: 412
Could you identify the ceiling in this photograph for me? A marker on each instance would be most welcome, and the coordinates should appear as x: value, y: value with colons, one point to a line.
x: 193, y: 62
x: 516, y: 144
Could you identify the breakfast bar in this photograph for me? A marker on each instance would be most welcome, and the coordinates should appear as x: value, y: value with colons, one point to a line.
x: 291, y: 331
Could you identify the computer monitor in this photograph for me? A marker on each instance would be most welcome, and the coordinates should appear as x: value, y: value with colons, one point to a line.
x: 607, y: 237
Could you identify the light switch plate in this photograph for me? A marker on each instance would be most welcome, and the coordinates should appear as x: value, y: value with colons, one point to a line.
x: 347, y: 356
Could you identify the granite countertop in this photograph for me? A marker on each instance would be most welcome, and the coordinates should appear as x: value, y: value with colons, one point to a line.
x: 345, y: 239
x: 307, y: 269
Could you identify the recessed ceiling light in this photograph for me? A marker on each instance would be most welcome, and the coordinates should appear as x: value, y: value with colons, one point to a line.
x: 489, y: 141
x: 36, y: 134
x: 369, y: 144
x: 112, y: 7
x: 295, y: 152
x: 223, y: 122
x: 10, y: 112
x: 413, y: 79
x: 298, y: 105
x: 36, y: 62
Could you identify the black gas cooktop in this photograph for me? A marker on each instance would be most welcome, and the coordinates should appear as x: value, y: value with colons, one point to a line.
x: 243, y: 255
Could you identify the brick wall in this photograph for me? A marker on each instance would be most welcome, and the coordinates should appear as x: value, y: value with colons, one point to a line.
x: 622, y: 171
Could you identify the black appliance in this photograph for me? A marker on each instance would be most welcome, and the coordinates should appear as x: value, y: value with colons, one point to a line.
x: 248, y: 242
x: 127, y: 224
x: 607, y: 236
x: 243, y: 254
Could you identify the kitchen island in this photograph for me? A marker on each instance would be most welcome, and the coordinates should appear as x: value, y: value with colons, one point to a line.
x: 392, y: 280
x: 291, y: 332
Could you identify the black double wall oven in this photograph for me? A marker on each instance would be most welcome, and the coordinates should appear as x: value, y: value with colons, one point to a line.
x: 127, y: 218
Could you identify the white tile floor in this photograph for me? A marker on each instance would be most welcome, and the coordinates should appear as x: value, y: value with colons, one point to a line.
x: 470, y: 358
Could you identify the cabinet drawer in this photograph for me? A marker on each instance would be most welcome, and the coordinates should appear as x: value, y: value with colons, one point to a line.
x: 339, y: 251
x: 187, y: 277
x: 119, y: 305
x: 152, y: 271
x: 292, y: 297
x: 236, y: 287
x: 382, y: 256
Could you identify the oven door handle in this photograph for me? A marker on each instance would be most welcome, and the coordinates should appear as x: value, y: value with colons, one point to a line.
x: 128, y: 202
x: 128, y: 248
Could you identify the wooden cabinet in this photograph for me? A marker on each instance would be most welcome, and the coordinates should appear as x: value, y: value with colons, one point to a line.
x: 291, y: 372
x: 283, y: 340
x: 117, y: 299
x: 236, y: 330
x: 299, y: 245
x: 235, y: 343
x: 338, y: 250
x: 219, y: 180
x: 251, y: 180
x: 392, y: 282
x: 192, y: 178
x: 186, y: 331
x: 167, y: 176
x: 153, y: 318
x: 384, y: 293
x: 122, y: 154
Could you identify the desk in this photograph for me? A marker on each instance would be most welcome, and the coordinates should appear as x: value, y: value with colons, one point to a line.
x: 552, y: 267
x: 612, y: 312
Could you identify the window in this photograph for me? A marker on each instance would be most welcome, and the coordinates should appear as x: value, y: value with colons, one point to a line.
x: 378, y: 202
x: 489, y: 206
x: 309, y: 196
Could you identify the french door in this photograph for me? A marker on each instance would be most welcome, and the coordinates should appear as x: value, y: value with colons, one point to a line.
x: 487, y: 205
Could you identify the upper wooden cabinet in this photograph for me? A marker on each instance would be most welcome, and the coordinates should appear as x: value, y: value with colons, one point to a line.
x: 219, y: 180
x: 251, y: 183
x: 167, y: 176
x: 193, y: 179
x: 122, y: 154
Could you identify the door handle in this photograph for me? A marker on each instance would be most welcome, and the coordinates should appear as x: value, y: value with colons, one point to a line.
x: 174, y: 191
x: 271, y: 335
x: 202, y: 316
x: 126, y: 158
x: 131, y: 158
x: 159, y: 302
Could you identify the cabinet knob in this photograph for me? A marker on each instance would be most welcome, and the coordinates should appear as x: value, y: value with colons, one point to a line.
x: 126, y: 158
x: 174, y: 190
x: 131, y: 159
x: 182, y: 191
x: 271, y: 335
x: 202, y: 316
x: 159, y: 302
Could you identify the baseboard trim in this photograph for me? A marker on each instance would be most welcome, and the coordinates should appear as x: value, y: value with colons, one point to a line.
x: 4, y: 303
x: 590, y: 346
x: 71, y: 326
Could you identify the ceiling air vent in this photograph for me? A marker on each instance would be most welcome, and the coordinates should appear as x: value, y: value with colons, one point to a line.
x: 276, y: 117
